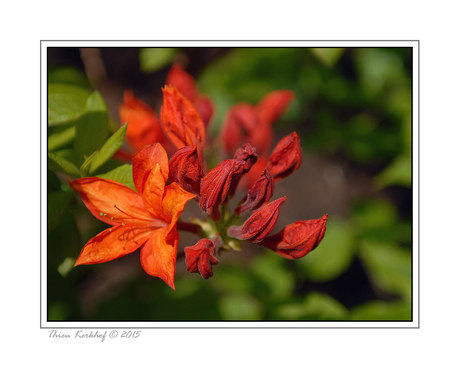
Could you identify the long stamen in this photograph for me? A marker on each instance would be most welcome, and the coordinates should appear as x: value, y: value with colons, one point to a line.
x: 134, y: 218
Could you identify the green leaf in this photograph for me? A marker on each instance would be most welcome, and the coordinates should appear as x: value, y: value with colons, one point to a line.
x: 110, y: 147
x: 381, y: 310
x: 91, y: 128
x: 61, y: 137
x: 271, y: 270
x: 316, y: 306
x: 153, y: 59
x: 68, y: 75
x: 63, y: 241
x: 327, y: 55
x: 389, y: 266
x: 240, y: 306
x: 65, y: 102
x: 59, y: 164
x: 399, y: 172
x: 58, y: 202
x: 123, y: 174
x: 333, y: 255
x: 84, y: 169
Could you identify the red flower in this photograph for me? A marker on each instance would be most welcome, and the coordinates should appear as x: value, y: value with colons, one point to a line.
x: 145, y: 219
x: 201, y: 257
x: 260, y: 192
x: 297, y: 239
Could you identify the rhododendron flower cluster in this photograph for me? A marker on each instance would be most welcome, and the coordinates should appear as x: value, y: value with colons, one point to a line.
x: 149, y: 218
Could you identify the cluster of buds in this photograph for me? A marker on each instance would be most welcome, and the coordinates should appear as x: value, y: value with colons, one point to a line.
x: 246, y: 138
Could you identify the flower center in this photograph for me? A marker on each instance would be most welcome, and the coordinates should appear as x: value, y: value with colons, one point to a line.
x: 134, y: 218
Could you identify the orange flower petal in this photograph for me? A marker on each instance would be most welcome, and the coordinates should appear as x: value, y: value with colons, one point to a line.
x: 144, y: 123
x: 184, y: 81
x: 154, y: 189
x: 174, y: 201
x: 145, y: 160
x: 110, y: 201
x: 158, y: 256
x: 113, y: 243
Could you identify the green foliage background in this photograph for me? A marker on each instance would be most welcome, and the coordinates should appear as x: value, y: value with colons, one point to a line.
x: 353, y: 114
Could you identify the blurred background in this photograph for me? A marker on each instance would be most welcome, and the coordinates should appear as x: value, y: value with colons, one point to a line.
x: 353, y: 114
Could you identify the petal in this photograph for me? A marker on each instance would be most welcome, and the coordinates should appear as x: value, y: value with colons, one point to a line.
x: 259, y: 193
x: 113, y: 243
x: 110, y: 201
x: 145, y: 160
x: 154, y: 189
x: 144, y: 124
x: 174, y: 201
x: 158, y: 256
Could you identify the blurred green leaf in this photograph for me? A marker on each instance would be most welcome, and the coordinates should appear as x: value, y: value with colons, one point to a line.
x: 65, y: 102
x: 60, y: 137
x: 58, y: 202
x: 123, y: 174
x: 399, y: 172
x: 109, y: 148
x: 233, y: 280
x: 66, y: 266
x: 381, y: 310
x: 155, y: 58
x: 270, y: 269
x: 316, y: 306
x: 327, y: 55
x: 334, y: 254
x: 91, y: 128
x: 68, y: 75
x: 240, y: 306
x: 59, y: 164
x: 63, y: 241
x: 389, y: 266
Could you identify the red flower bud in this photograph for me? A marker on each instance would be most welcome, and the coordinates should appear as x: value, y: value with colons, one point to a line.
x: 215, y: 185
x: 185, y: 169
x: 297, y: 239
x: 248, y: 154
x: 259, y: 224
x: 240, y: 120
x: 144, y: 125
x: 273, y: 105
x: 187, y: 86
x: 201, y: 257
x: 286, y: 158
x: 181, y: 122
x: 260, y: 192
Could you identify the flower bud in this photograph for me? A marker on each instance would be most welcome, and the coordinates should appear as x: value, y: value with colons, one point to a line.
x: 215, y: 185
x: 181, y: 122
x: 286, y: 158
x: 297, y: 239
x: 248, y: 154
x: 187, y: 86
x: 260, y: 192
x: 201, y: 257
x: 259, y: 224
x: 273, y: 105
x: 185, y: 169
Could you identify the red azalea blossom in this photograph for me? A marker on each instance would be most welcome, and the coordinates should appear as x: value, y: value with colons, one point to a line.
x: 201, y: 257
